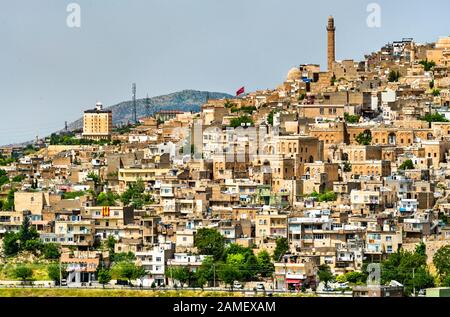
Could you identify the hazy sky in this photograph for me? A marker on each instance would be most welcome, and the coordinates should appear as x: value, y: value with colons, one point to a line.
x: 50, y: 73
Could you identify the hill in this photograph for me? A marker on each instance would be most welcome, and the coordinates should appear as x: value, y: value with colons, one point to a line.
x: 186, y: 100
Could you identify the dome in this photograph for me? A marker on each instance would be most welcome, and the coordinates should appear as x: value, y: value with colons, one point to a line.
x: 294, y: 74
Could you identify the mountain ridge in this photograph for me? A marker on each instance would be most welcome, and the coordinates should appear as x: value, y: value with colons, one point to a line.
x: 184, y: 100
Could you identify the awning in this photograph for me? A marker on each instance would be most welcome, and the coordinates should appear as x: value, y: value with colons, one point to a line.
x: 291, y: 281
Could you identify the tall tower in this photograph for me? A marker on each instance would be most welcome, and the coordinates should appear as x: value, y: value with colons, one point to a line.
x: 331, y: 43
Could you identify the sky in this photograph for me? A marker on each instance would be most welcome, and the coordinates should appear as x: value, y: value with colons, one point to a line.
x: 51, y: 72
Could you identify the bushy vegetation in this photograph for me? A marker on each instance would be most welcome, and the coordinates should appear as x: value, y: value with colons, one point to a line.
x: 434, y: 117
x: 73, y: 195
x: 8, y: 203
x: 441, y: 261
x: 408, y: 268
x: 427, y: 65
x: 324, y: 197
x: 351, y: 118
x: 6, y: 161
x: 393, y: 76
x: 27, y: 239
x: 227, y: 263
x: 107, y: 199
x: 364, y: 138
x: 245, y: 109
x: 281, y: 247
x: 239, y: 121
x: 406, y: 165
x: 70, y: 139
x: 3, y: 177
x: 135, y: 195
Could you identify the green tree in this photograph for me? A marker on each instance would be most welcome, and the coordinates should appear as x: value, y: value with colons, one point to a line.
x: 364, y: 138
x: 3, y: 177
x: 122, y: 257
x: 229, y: 273
x: 393, y: 76
x: 347, y: 167
x: 128, y: 271
x: 408, y: 268
x: 110, y: 244
x: 441, y: 261
x: 243, y: 258
x: 23, y: 273
x: 427, y: 65
x: 431, y: 84
x: 182, y: 274
x: 9, y: 203
x: 434, y: 117
x: 333, y: 80
x: 54, y: 271
x: 446, y: 281
x: 351, y: 118
x: 407, y: 165
x: 205, y: 273
x: 324, y: 274
x: 324, y: 197
x: 355, y: 277
x: 134, y: 194
x: 10, y: 244
x: 265, y: 265
x: 33, y: 245
x: 107, y: 199
x: 270, y: 117
x: 18, y: 178
x: 210, y: 242
x: 51, y: 251
x: 104, y: 276
x: 436, y: 92
x: 26, y: 232
x: 282, y: 246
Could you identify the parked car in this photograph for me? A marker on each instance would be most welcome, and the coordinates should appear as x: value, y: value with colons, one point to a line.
x: 63, y: 282
x: 260, y: 287
x: 237, y: 285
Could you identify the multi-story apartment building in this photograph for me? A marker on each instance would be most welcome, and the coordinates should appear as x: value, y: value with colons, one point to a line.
x: 97, y: 123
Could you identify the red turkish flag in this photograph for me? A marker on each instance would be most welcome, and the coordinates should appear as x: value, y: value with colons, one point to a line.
x: 240, y: 91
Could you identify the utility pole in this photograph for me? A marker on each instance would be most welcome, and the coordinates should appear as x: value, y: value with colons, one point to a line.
x: 60, y: 273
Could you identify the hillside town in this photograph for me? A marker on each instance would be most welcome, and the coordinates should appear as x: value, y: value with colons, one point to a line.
x: 336, y: 181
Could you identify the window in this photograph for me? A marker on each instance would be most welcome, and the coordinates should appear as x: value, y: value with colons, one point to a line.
x: 388, y: 238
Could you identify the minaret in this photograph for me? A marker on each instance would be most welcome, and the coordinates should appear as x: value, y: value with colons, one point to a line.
x: 331, y: 43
